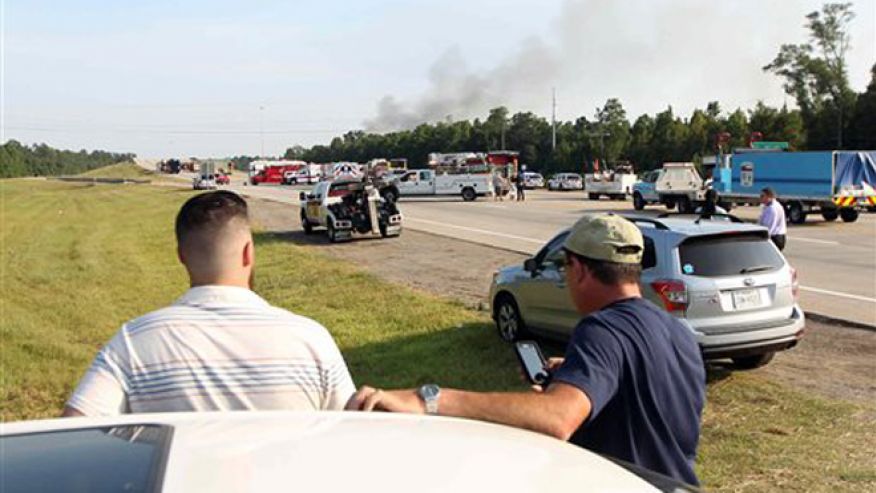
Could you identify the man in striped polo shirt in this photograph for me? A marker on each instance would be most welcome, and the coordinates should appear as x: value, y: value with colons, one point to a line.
x: 220, y: 347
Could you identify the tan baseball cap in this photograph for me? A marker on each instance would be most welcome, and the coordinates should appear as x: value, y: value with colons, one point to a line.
x: 606, y: 237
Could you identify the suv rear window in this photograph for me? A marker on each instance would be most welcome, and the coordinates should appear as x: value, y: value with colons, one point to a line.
x: 728, y: 255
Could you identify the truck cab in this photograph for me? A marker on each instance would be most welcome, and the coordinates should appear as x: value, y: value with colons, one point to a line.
x: 645, y: 191
x: 416, y: 182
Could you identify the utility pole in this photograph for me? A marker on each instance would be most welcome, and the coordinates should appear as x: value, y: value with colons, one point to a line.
x: 262, y: 129
x: 554, y: 120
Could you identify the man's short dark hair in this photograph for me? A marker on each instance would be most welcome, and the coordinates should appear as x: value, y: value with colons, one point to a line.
x: 769, y: 192
x: 209, y: 212
x: 609, y: 273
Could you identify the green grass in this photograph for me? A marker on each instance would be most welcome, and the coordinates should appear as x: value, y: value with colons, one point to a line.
x: 120, y: 170
x: 79, y: 260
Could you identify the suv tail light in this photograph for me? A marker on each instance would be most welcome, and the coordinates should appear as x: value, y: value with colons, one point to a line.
x: 673, y: 294
x: 795, y: 284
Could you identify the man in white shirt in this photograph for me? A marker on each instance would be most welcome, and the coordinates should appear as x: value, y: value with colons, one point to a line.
x: 772, y: 217
x: 220, y: 347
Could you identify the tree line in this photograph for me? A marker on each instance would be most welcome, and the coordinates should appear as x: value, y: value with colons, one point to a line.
x: 41, y: 160
x: 829, y: 115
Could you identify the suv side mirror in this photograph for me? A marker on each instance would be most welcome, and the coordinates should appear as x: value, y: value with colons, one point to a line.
x: 529, y: 265
x: 302, y: 196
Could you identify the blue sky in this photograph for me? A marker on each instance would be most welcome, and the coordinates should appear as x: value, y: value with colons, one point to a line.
x: 217, y: 78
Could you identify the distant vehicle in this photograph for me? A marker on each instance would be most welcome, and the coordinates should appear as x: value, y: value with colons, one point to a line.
x: 346, y: 171
x: 645, y: 191
x: 426, y: 182
x: 725, y: 280
x: 347, y: 207
x: 680, y: 185
x: 207, y: 182
x: 306, y: 174
x: 566, y: 181
x: 833, y: 183
x: 616, y: 184
x: 206, y: 177
x: 223, y: 179
x: 314, y: 451
x: 273, y: 173
x: 533, y: 180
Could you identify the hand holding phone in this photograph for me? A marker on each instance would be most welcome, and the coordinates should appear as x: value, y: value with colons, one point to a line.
x: 533, y: 362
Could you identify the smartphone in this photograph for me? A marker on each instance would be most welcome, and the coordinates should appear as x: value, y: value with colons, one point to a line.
x: 533, y: 362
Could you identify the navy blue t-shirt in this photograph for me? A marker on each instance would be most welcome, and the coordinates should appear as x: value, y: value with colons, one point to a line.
x: 642, y: 370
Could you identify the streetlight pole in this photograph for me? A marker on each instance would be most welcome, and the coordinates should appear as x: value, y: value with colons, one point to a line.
x: 262, y: 129
x: 554, y: 119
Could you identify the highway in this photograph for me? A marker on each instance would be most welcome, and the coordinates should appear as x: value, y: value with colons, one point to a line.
x: 836, y: 262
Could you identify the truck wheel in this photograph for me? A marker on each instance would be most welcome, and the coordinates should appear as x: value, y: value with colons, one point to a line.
x: 669, y: 205
x: 796, y: 214
x: 593, y: 196
x: 830, y: 214
x: 468, y: 194
x: 684, y: 205
x: 638, y: 201
x: 752, y: 362
x: 308, y: 228
x: 330, y: 231
x: 849, y: 214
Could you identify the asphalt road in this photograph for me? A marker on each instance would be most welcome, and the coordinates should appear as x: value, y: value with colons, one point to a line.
x: 836, y: 262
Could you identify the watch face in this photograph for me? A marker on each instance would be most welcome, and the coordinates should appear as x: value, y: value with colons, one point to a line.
x: 429, y: 391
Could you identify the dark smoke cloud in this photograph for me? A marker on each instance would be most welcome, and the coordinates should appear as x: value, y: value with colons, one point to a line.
x: 460, y: 92
x: 649, y: 53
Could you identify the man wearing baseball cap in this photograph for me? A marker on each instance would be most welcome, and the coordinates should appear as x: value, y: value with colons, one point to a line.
x: 632, y: 384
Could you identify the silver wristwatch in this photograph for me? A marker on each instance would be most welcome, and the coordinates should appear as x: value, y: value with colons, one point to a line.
x: 429, y: 393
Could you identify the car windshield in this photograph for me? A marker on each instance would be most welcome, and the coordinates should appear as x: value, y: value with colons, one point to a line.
x: 97, y: 460
x: 728, y: 255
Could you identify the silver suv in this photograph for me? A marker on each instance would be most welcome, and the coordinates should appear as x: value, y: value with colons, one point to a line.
x: 724, y: 279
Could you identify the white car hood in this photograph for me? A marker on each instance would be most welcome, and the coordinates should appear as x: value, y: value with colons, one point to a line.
x: 335, y: 451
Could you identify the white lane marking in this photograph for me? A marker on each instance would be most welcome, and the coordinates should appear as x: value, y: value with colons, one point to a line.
x: 838, y: 294
x: 476, y: 230
x: 812, y: 240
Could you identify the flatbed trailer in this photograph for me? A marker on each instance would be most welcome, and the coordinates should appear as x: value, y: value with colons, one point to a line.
x: 833, y: 183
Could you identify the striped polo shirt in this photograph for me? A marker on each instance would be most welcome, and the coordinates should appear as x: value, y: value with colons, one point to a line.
x: 217, y: 348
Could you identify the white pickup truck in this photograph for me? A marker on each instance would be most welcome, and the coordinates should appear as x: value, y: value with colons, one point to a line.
x: 424, y: 182
x: 676, y: 184
x: 615, y: 185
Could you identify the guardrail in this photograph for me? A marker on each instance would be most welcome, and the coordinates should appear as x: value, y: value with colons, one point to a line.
x: 93, y: 179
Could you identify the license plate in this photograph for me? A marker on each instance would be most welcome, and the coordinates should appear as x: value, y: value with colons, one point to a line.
x: 746, y: 298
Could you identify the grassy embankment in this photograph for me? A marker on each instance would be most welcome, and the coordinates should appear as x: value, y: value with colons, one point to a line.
x: 78, y: 260
x: 121, y: 170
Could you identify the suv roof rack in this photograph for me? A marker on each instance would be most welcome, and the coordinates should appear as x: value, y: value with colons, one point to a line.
x: 647, y: 220
x: 700, y: 217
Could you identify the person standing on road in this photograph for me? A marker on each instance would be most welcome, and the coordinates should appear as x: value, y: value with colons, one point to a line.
x: 220, y: 347
x: 521, y: 186
x: 498, y: 183
x: 632, y: 383
x: 772, y: 217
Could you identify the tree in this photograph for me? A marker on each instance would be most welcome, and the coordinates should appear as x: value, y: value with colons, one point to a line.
x: 612, y: 130
x: 815, y: 75
x: 862, y: 127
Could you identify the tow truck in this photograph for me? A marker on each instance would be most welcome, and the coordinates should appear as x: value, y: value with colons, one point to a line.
x: 348, y: 207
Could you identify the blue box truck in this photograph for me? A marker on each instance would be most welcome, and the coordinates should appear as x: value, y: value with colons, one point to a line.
x: 834, y: 183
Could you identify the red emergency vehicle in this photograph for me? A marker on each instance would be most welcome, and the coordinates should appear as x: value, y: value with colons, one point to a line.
x: 273, y: 173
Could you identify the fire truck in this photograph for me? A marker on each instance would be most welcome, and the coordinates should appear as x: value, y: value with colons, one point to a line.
x: 272, y: 171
